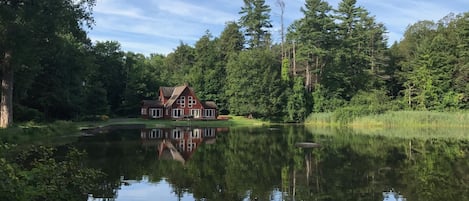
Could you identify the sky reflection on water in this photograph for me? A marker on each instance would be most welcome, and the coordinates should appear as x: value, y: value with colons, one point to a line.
x: 248, y: 163
x: 143, y: 190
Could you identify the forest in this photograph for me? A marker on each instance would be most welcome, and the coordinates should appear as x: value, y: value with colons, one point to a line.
x: 327, y: 60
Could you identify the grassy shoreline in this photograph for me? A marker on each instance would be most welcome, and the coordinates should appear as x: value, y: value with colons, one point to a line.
x: 396, y: 119
x: 392, y: 123
x: 402, y: 124
x: 150, y: 123
x: 27, y: 132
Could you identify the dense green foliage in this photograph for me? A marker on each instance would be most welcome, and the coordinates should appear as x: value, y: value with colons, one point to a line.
x: 331, y: 60
x: 37, y: 174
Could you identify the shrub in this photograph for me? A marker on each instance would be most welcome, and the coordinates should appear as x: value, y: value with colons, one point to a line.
x: 23, y: 113
x: 37, y: 174
x: 362, y: 104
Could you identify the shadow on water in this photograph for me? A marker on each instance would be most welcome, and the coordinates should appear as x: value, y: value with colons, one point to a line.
x: 262, y: 163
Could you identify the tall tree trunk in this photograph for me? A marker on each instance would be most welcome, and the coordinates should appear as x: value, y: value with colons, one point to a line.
x: 281, y: 3
x: 6, y: 102
x: 308, y: 78
x: 294, y: 59
x: 316, y: 71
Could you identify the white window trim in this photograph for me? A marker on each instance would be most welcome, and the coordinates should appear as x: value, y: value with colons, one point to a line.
x: 209, y: 132
x: 196, y: 133
x: 194, y: 112
x: 144, y: 111
x: 156, y: 133
x: 176, y: 134
x: 158, y: 112
x: 191, y: 101
x: 209, y: 113
x: 182, y: 101
x: 181, y: 113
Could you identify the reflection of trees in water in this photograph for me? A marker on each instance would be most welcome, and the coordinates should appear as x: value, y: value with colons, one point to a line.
x: 357, y: 167
x: 257, y: 162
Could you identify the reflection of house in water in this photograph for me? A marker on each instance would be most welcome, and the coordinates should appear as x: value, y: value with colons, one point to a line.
x: 177, y: 143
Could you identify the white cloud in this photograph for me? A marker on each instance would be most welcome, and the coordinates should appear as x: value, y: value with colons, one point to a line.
x: 158, y: 26
x: 201, y: 13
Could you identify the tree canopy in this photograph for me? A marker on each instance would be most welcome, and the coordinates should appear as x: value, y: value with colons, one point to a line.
x: 329, y: 58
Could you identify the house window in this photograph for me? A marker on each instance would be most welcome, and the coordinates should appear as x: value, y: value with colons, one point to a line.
x: 156, y: 133
x: 190, y: 101
x: 176, y: 134
x: 209, y: 132
x: 144, y: 111
x: 181, y: 145
x: 195, y: 113
x: 209, y: 113
x: 195, y: 133
x: 182, y: 101
x: 177, y: 113
x: 156, y: 113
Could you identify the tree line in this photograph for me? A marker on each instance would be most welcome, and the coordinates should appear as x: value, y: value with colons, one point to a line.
x: 328, y: 59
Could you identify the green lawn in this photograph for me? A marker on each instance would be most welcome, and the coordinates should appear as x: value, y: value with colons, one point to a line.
x: 150, y: 123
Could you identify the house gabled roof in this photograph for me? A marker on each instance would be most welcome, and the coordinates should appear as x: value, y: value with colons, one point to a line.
x: 175, y: 95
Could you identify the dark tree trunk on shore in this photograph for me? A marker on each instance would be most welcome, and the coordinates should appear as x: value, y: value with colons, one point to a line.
x: 6, y: 102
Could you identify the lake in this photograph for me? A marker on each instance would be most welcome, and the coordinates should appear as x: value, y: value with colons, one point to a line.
x: 264, y: 163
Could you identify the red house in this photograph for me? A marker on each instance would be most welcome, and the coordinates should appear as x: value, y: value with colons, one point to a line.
x: 178, y: 102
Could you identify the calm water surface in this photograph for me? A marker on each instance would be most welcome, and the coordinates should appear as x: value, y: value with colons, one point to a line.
x: 189, y: 163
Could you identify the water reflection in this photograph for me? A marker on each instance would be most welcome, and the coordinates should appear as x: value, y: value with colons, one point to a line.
x: 393, y: 196
x: 177, y: 143
x: 264, y: 163
x: 144, y: 189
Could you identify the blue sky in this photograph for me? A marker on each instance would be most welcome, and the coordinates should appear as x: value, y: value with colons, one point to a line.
x: 158, y: 26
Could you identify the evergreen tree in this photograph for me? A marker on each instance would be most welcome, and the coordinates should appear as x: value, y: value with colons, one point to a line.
x: 315, y: 36
x: 359, y: 52
x: 111, y: 72
x: 231, y: 40
x: 255, y: 20
x: 179, y: 64
x: 208, y: 74
x: 230, y: 43
x: 254, y: 84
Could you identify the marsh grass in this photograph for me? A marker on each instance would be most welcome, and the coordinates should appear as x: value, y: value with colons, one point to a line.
x: 325, y: 119
x: 397, y: 119
x: 402, y: 124
x: 416, y: 119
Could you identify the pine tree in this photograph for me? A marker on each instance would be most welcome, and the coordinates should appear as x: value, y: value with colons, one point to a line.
x: 255, y: 20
